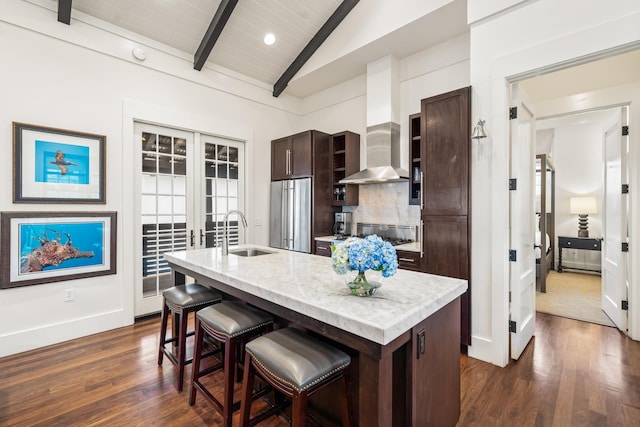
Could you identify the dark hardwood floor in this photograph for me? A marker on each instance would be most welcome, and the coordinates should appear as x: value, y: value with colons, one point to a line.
x: 572, y: 374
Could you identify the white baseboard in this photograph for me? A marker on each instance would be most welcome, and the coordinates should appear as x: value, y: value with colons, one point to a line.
x: 18, y: 342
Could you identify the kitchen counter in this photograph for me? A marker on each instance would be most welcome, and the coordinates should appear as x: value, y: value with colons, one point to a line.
x: 307, y: 284
x: 404, y: 340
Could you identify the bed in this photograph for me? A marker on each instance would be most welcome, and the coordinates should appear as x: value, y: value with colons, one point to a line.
x: 545, y: 216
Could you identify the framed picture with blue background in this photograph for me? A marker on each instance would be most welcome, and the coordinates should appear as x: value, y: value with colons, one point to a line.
x: 57, y: 165
x: 43, y: 247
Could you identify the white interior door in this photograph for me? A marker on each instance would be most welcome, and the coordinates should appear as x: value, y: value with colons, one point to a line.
x: 615, y: 284
x: 522, y: 272
x: 165, y: 209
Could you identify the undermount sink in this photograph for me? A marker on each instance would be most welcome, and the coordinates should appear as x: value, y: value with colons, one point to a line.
x: 249, y: 252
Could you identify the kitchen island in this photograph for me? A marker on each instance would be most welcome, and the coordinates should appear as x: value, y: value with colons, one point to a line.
x: 404, y: 340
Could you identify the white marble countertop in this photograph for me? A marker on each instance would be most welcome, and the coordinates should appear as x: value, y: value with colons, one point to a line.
x: 307, y: 284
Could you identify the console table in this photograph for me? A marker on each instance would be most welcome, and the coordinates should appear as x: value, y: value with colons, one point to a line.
x: 585, y: 243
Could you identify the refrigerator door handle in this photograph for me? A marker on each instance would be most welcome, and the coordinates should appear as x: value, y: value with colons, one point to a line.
x: 285, y: 207
x: 291, y: 215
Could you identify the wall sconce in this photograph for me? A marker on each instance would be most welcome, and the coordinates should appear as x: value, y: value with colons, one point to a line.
x: 583, y: 206
x: 478, y: 131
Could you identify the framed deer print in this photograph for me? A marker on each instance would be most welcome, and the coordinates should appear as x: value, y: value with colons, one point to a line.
x: 43, y: 247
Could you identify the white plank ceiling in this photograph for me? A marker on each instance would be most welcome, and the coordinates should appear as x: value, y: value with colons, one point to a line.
x: 182, y: 24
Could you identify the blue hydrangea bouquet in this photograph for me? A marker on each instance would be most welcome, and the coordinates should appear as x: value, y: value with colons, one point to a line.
x: 355, y: 256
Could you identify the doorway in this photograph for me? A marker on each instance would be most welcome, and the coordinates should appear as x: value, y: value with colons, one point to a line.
x: 574, y: 143
x: 582, y: 171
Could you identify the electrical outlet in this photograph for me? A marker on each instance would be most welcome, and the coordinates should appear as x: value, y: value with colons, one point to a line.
x: 258, y: 222
x: 68, y: 295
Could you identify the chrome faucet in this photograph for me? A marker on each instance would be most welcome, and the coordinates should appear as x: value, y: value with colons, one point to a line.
x: 225, y: 234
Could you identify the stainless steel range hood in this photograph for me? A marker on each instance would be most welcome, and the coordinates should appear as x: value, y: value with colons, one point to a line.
x: 383, y: 157
x: 383, y: 132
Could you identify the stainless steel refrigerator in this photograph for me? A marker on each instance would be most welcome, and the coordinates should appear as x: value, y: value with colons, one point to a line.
x: 290, y: 215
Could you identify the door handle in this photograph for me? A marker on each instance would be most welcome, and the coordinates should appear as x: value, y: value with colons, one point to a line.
x: 201, y: 237
x: 192, y: 238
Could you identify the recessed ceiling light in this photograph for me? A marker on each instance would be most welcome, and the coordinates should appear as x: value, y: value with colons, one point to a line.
x: 269, y: 39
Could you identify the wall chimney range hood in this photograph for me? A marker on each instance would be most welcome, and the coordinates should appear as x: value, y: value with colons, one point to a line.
x: 383, y: 157
x: 382, y: 141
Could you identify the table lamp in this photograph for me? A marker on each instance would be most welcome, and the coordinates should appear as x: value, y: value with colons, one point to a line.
x: 583, y: 206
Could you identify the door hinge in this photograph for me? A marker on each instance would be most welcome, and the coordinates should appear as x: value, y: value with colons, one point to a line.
x: 513, y: 184
x: 625, y: 247
x: 513, y: 113
x: 625, y: 188
x: 513, y: 255
x: 625, y: 305
x: 512, y: 326
x: 625, y: 130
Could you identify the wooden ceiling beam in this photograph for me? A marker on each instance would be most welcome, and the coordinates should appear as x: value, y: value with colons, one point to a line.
x: 64, y: 11
x: 332, y: 23
x: 213, y: 32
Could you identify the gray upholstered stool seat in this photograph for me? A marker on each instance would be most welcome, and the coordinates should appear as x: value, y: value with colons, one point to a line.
x: 182, y: 300
x: 296, y: 364
x: 231, y: 323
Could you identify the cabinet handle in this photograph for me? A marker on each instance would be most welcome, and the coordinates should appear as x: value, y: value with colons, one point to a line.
x: 421, y: 190
x: 322, y: 248
x: 406, y: 259
x: 288, y: 162
x: 421, y: 235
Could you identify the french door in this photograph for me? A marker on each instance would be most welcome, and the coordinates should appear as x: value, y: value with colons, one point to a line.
x: 188, y: 181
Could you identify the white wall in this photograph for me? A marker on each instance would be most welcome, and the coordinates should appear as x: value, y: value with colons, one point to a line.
x: 64, y: 81
x: 534, y: 35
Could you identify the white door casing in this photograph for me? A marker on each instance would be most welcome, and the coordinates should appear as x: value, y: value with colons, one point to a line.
x: 615, y: 284
x: 522, y: 273
x: 187, y: 182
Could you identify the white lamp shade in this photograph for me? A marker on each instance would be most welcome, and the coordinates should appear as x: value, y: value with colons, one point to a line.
x: 583, y: 205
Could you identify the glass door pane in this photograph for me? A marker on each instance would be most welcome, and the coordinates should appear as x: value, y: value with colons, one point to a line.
x: 163, y: 212
x: 224, y: 184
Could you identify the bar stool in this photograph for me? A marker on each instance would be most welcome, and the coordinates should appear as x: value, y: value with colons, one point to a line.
x: 231, y: 323
x: 297, y: 365
x: 182, y: 300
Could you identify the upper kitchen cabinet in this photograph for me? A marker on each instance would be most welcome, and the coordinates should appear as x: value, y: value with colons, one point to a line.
x: 415, y: 160
x: 291, y: 156
x: 345, y: 161
x: 445, y: 152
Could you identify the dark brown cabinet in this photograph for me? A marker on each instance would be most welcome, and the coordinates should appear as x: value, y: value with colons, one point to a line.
x: 409, y: 260
x: 291, y: 156
x: 443, y: 153
x: 323, y: 248
x: 345, y: 161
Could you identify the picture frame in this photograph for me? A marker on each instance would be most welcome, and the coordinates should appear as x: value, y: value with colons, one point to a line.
x: 57, y: 165
x: 45, y: 247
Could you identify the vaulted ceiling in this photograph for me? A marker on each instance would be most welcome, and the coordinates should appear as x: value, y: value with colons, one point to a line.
x: 229, y: 33
x: 236, y: 36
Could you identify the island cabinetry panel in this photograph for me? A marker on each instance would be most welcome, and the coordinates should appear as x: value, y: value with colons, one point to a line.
x: 409, y: 260
x: 445, y: 145
x: 435, y: 393
x: 323, y: 248
x: 345, y: 161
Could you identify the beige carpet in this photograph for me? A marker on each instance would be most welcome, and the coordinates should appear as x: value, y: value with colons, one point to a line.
x: 573, y: 295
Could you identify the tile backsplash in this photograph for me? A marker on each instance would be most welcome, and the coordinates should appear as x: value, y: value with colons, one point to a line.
x: 386, y: 203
